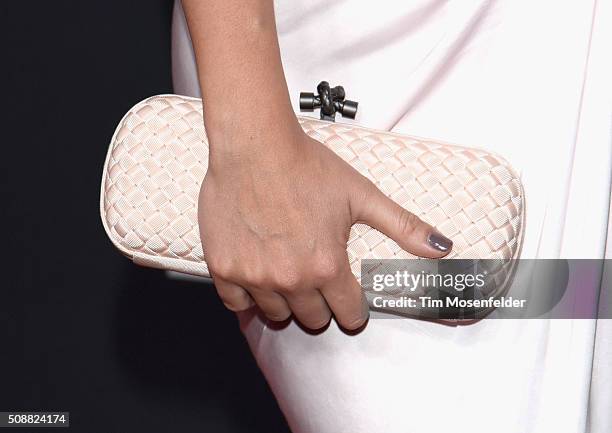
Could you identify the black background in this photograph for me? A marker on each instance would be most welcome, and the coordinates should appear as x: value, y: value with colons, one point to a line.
x: 123, y: 348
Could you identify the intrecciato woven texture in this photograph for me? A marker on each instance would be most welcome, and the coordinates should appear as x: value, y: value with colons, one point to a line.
x: 159, y: 154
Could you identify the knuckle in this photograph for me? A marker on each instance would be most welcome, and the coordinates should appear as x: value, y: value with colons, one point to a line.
x: 278, y: 316
x: 328, y: 267
x: 258, y: 278
x: 317, y: 323
x: 235, y: 302
x: 353, y: 322
x: 286, y: 275
x: 288, y: 280
x: 219, y: 267
x: 235, y: 306
x: 407, y: 221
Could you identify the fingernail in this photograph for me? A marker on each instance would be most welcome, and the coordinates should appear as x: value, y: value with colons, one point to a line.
x: 438, y: 241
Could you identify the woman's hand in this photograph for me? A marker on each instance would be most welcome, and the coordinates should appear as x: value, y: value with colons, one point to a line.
x: 276, y: 207
x: 275, y: 227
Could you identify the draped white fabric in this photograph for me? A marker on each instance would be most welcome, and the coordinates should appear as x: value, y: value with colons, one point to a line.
x: 527, y: 79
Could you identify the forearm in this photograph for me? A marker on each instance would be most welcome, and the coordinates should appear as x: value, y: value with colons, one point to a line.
x: 240, y: 72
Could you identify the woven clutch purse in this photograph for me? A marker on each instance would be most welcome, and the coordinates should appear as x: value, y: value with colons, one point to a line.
x: 158, y: 157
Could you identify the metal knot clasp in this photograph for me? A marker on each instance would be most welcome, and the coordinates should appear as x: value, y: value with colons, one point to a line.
x: 330, y: 101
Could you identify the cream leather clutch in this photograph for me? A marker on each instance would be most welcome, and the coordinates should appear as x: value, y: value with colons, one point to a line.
x: 158, y: 157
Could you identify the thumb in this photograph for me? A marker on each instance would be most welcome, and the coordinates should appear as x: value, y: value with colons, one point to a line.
x: 409, y: 231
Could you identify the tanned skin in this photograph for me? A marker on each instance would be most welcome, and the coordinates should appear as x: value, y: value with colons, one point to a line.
x: 276, y: 206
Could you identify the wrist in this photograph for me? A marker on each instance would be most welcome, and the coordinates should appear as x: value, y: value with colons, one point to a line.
x: 233, y: 135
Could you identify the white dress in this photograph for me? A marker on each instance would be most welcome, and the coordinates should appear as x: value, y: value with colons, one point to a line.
x: 528, y: 79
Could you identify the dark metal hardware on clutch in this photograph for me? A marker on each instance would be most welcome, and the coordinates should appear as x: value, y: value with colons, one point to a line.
x: 330, y: 101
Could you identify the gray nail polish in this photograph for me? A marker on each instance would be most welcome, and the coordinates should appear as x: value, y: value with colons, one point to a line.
x: 438, y: 241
